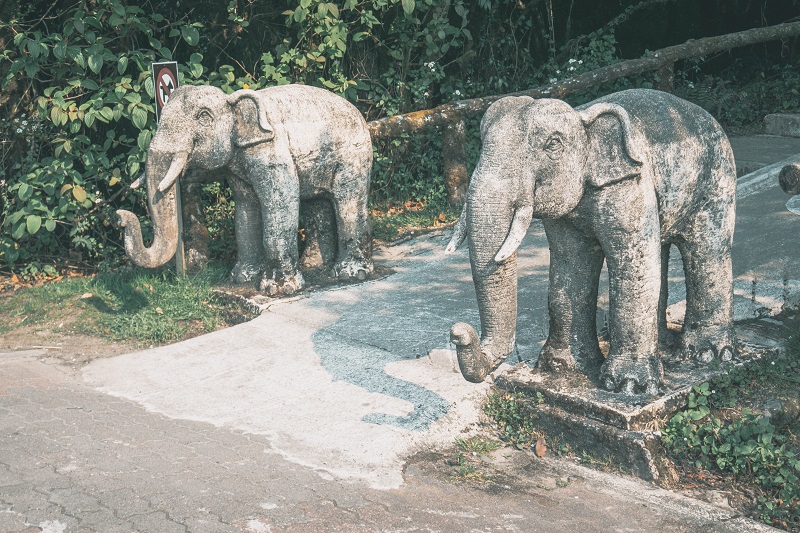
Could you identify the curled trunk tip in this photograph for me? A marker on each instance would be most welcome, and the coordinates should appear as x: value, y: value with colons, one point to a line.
x: 474, y: 364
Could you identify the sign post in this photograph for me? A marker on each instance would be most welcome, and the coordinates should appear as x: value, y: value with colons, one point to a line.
x: 165, y: 80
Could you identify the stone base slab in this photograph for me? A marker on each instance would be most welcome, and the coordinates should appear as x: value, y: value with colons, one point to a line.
x: 625, y: 429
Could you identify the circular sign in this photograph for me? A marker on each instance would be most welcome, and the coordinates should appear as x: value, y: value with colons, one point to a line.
x: 165, y: 84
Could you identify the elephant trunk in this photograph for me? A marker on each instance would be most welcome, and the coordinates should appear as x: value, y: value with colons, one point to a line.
x: 494, y: 270
x: 163, y: 169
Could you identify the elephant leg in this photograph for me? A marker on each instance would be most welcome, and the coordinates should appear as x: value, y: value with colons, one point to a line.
x: 631, y: 240
x: 354, y: 259
x: 249, y: 244
x: 280, y: 213
x: 575, y: 265
x: 706, y: 251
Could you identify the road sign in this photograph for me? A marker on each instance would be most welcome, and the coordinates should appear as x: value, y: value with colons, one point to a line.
x: 165, y: 80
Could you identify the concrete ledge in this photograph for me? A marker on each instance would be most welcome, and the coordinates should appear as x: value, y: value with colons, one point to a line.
x: 784, y: 124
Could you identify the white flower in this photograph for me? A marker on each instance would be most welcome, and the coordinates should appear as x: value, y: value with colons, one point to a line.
x: 558, y: 72
x: 2, y: 183
x: 553, y: 80
x: 572, y: 60
x: 691, y: 85
x: 24, y: 122
x: 426, y: 94
x: 772, y: 363
x: 457, y: 92
x: 19, y: 130
x: 571, y: 69
x: 580, y: 61
x: 713, y: 392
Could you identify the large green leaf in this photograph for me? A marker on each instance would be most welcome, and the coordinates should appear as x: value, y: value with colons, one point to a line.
x: 408, y: 6
x: 33, y: 223
x: 139, y: 117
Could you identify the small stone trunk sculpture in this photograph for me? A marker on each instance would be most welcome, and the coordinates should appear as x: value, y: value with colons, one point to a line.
x: 277, y: 147
x: 620, y: 179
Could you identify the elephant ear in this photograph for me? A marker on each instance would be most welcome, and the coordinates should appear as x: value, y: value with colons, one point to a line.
x: 251, y: 125
x: 614, y: 152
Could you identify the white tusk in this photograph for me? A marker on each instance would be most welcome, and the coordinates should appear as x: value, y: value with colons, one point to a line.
x: 175, y: 170
x: 459, y: 232
x: 519, y: 227
x: 137, y: 182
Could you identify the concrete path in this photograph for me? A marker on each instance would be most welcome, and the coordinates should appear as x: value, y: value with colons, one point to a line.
x: 305, y: 418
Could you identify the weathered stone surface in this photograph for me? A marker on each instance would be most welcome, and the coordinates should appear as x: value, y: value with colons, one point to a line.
x: 618, y: 180
x: 277, y: 147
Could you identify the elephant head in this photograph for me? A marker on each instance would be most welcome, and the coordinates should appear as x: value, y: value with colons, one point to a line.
x: 537, y: 160
x: 200, y: 128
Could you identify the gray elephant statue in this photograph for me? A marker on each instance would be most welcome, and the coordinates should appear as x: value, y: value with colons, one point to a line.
x: 619, y: 179
x: 277, y: 147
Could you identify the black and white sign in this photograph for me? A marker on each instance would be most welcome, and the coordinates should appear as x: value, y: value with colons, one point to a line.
x: 165, y: 80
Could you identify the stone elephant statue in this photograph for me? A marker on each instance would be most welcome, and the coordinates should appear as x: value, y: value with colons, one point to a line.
x: 277, y: 147
x: 619, y: 179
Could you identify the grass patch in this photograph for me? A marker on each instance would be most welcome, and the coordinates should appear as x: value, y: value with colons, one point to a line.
x: 478, y: 445
x: 513, y: 415
x: 144, y: 306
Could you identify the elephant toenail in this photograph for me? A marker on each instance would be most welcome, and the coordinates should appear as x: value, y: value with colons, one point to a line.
x: 726, y: 354
x: 706, y: 356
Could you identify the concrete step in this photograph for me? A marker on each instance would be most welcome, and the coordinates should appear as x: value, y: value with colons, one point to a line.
x: 754, y: 152
x: 784, y: 124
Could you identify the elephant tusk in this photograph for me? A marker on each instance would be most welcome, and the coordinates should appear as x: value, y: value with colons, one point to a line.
x: 519, y: 226
x: 459, y: 232
x: 137, y: 182
x: 175, y: 170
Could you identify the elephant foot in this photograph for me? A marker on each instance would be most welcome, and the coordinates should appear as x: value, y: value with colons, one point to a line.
x: 556, y: 359
x: 282, y: 287
x: 243, y: 272
x: 474, y: 361
x: 632, y: 374
x: 353, y: 270
x: 704, y: 344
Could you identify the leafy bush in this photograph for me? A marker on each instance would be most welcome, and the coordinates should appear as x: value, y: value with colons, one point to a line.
x: 715, y: 434
x: 89, y: 121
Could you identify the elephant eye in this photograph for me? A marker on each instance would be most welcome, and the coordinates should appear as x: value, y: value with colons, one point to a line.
x: 554, y: 146
x: 205, y: 117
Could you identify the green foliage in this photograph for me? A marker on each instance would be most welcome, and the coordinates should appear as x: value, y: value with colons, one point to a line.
x: 91, y: 118
x: 513, y: 414
x: 712, y: 434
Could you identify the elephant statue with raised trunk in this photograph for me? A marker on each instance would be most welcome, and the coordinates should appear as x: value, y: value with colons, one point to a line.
x: 619, y: 180
x: 276, y: 147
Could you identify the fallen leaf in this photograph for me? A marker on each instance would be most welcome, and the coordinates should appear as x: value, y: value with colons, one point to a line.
x: 540, y: 448
x: 441, y: 217
x: 86, y: 295
x: 159, y: 311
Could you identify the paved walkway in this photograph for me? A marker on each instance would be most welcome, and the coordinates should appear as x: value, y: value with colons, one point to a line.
x: 305, y: 418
